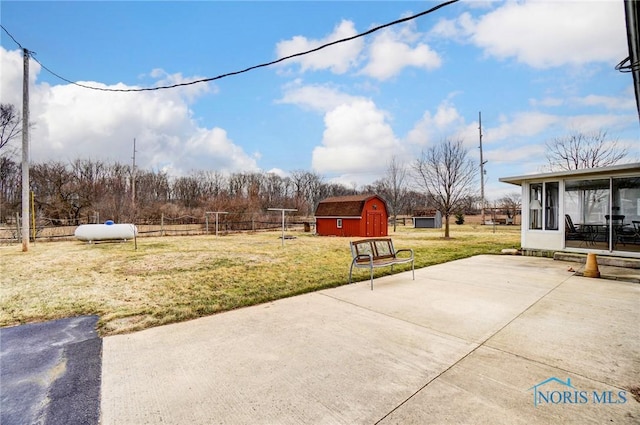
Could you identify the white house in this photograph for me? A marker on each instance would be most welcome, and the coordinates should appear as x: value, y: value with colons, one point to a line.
x: 591, y: 210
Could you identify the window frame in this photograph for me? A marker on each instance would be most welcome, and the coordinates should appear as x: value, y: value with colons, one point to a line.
x: 546, y: 215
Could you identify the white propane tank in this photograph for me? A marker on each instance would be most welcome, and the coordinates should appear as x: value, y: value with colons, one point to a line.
x: 108, y: 231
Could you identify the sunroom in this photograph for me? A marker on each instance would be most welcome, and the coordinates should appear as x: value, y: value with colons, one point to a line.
x: 591, y: 210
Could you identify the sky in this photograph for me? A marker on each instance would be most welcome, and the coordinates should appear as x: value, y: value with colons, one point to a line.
x: 534, y: 70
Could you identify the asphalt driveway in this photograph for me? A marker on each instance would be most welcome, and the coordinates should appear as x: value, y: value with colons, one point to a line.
x: 50, y: 373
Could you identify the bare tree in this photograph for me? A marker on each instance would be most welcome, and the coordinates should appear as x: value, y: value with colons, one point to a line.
x: 394, y: 188
x: 511, y: 203
x: 10, y: 123
x: 307, y: 187
x: 447, y: 176
x: 10, y: 188
x: 415, y: 201
x: 583, y: 150
x: 114, y: 205
x: 54, y: 189
x: 328, y: 190
x: 187, y: 191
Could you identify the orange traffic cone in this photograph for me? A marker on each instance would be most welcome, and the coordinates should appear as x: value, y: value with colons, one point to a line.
x: 591, y: 269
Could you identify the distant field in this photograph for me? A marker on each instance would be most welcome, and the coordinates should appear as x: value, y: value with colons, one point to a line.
x: 171, y: 279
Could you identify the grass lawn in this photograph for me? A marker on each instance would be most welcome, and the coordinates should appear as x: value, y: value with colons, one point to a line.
x: 171, y: 279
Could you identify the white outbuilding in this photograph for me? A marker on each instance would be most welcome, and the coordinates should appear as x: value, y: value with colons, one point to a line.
x: 590, y: 210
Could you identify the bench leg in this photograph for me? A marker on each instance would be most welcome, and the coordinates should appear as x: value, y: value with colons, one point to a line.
x: 372, y: 278
x: 350, y: 271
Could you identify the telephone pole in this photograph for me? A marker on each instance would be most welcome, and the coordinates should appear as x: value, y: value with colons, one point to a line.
x: 482, y: 162
x: 133, y: 197
x: 133, y: 176
x: 25, y: 152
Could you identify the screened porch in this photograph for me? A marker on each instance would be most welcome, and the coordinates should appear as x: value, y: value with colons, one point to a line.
x: 603, y: 214
x: 587, y: 210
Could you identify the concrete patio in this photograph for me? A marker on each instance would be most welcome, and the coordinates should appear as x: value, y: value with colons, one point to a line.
x: 470, y: 341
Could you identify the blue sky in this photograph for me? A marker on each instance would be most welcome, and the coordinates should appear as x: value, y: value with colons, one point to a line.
x: 536, y: 70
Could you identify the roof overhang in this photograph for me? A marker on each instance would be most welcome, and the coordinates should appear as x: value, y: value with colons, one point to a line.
x: 584, y: 173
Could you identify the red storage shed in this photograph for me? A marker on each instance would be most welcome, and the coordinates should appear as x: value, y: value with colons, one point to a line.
x: 356, y: 215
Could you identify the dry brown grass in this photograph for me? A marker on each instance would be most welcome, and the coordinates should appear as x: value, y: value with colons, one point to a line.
x: 179, y: 278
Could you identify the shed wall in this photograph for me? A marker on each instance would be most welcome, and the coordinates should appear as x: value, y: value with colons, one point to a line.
x: 329, y: 227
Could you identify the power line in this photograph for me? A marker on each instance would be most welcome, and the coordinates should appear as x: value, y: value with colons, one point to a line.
x: 14, y: 40
x: 206, y: 80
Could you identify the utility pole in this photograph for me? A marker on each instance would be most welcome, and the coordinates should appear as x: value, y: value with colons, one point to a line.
x: 133, y: 196
x: 482, y: 162
x: 25, y: 151
x: 133, y: 176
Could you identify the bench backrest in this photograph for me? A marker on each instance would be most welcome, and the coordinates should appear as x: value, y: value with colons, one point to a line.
x: 378, y: 248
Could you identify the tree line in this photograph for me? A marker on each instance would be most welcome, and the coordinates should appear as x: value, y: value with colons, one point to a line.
x: 85, y: 190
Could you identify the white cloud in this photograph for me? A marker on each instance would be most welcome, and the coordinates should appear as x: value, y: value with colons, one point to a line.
x: 524, y: 124
x: 594, y: 122
x: 458, y: 29
x: 218, y: 151
x: 519, y: 140
x: 625, y: 102
x: 479, y: 4
x: 391, y: 51
x: 279, y: 172
x: 547, y: 102
x: 445, y: 123
x: 337, y: 58
x: 536, y: 124
x: 11, y: 76
x: 72, y: 122
x: 189, y: 92
x: 356, y: 181
x: 515, y: 154
x: 545, y: 34
x: 609, y: 102
x: 357, y: 140
x: 321, y: 98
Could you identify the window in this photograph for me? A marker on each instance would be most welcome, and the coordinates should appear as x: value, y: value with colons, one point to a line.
x: 535, y: 206
x: 603, y: 214
x: 586, y: 203
x: 339, y: 223
x: 551, y: 205
x: 624, y: 219
x: 543, y: 206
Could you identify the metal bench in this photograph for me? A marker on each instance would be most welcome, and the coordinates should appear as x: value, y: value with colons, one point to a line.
x: 378, y: 252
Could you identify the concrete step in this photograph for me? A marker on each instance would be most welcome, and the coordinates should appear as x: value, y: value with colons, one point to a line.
x: 605, y: 260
